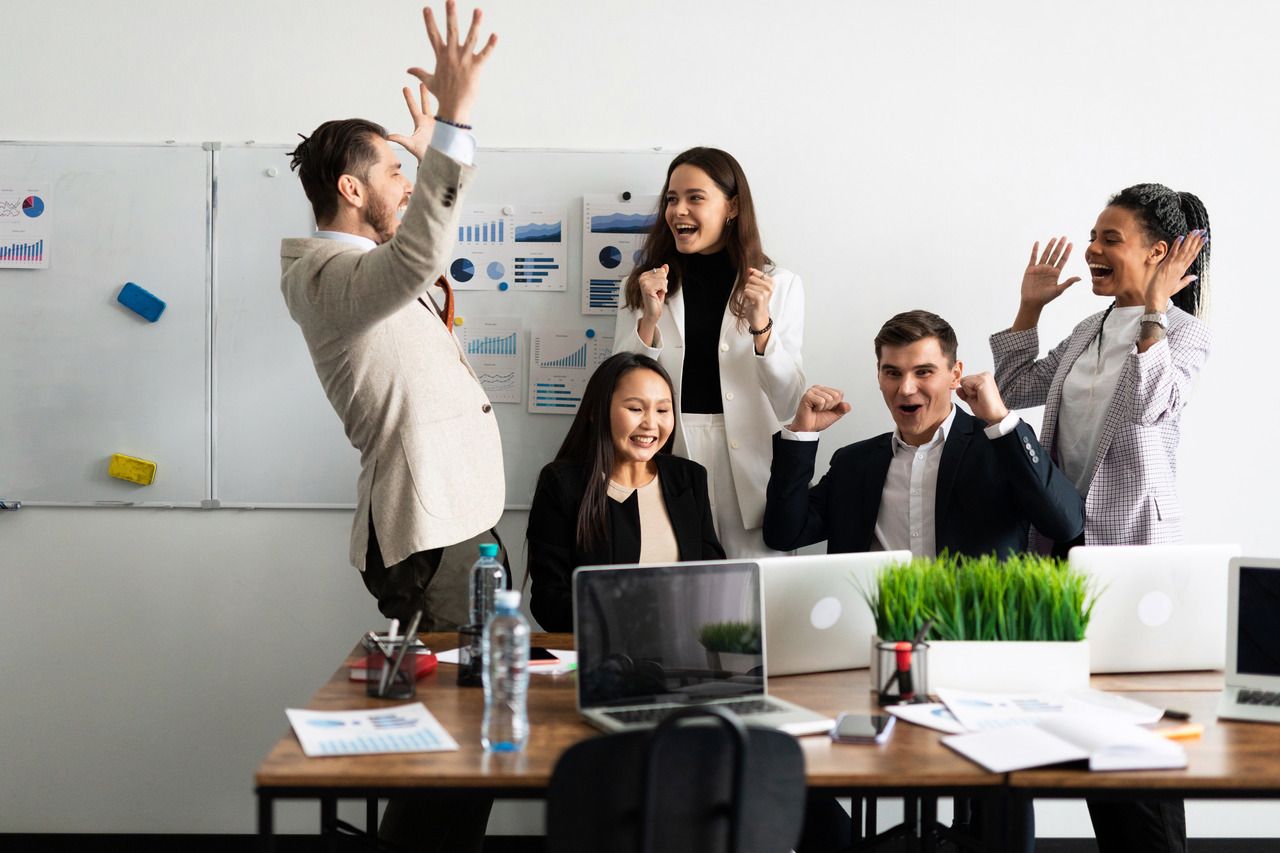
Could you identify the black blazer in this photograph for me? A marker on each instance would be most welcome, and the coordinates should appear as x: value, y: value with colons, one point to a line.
x: 553, y: 549
x: 988, y: 493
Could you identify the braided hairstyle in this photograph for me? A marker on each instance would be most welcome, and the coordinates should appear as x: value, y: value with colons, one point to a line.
x: 1166, y: 214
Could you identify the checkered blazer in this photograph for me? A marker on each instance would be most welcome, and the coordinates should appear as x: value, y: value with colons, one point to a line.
x: 1132, y: 497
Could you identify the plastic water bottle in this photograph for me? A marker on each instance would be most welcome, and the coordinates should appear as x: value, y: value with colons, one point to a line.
x: 487, y: 577
x: 506, y: 677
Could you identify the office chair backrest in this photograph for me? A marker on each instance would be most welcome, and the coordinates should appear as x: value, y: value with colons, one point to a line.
x: 685, y: 786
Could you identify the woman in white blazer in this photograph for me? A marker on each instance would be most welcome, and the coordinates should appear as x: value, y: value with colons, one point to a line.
x: 707, y: 304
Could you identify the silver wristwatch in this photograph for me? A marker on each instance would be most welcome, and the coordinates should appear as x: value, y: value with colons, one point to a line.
x: 1161, y: 319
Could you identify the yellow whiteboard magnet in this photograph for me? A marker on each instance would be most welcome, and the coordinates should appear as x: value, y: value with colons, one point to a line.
x: 133, y: 469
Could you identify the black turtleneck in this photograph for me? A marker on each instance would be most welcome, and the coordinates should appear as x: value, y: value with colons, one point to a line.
x: 706, y: 285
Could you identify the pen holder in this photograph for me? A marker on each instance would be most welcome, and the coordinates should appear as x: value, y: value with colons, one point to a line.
x: 903, y: 672
x: 400, y: 684
x: 470, y: 654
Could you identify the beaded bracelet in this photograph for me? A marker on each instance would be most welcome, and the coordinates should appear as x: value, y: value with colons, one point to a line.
x: 457, y: 124
x: 758, y: 332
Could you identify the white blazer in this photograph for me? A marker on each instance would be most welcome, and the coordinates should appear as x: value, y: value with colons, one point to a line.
x: 760, y: 391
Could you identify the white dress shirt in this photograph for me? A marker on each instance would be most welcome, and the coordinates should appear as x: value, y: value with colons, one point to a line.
x: 1087, y: 391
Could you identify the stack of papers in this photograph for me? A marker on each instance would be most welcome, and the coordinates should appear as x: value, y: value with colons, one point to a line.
x: 566, y: 661
x: 374, y: 731
x: 1007, y: 732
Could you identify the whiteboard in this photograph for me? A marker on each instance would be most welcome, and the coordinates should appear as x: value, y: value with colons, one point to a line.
x: 82, y: 377
x: 277, y: 442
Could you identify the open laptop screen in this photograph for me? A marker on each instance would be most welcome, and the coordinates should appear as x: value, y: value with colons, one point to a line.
x: 679, y: 633
x: 1258, y: 634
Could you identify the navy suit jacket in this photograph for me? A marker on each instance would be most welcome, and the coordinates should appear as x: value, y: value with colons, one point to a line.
x: 988, y: 493
x: 553, y: 548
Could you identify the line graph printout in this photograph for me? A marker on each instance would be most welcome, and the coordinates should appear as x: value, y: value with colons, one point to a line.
x: 508, y: 247
x: 25, y: 218
x: 613, y: 232
x: 560, y: 363
x: 494, y: 346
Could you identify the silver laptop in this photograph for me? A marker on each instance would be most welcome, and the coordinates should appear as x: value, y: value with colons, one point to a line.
x: 815, y: 616
x: 655, y: 638
x: 1253, y: 641
x: 1160, y: 607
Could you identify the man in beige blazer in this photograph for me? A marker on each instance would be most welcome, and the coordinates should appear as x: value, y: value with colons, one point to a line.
x: 384, y: 350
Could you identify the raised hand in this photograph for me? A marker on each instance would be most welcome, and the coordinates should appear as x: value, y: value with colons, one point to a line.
x: 458, y: 64
x: 653, y: 295
x: 819, y: 408
x: 1040, y: 284
x: 1171, y: 275
x: 416, y: 143
x: 755, y: 297
x: 983, y: 397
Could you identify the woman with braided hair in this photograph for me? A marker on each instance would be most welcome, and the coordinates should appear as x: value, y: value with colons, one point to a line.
x: 1113, y: 393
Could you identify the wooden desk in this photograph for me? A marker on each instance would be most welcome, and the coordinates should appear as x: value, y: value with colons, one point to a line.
x: 1231, y: 760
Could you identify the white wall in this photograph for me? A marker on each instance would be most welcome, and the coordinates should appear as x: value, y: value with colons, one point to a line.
x: 901, y: 155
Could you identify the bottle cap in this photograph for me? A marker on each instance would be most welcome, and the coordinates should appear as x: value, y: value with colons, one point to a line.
x: 507, y: 599
x: 489, y: 549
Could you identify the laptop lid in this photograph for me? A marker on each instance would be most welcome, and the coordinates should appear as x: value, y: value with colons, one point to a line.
x: 1160, y: 607
x: 676, y: 633
x: 1253, y: 628
x: 815, y: 615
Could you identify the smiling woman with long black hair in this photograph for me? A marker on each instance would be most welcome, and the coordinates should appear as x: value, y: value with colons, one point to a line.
x: 615, y: 493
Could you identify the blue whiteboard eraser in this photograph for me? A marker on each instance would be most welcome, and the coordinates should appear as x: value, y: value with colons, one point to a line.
x: 142, y: 302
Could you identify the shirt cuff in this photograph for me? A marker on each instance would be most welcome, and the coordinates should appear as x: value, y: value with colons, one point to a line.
x: 799, y: 436
x: 1003, y: 428
x: 454, y: 142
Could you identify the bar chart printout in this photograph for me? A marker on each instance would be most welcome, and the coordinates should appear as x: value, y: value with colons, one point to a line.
x: 25, y: 220
x: 494, y: 346
x: 540, y: 250
x: 613, y: 232
x: 482, y: 252
x: 561, y: 361
x: 401, y: 728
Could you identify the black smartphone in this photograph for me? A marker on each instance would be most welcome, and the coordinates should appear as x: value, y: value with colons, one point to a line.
x: 862, y: 728
x: 538, y: 653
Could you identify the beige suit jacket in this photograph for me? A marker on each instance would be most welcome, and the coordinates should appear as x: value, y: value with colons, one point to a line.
x: 430, y: 456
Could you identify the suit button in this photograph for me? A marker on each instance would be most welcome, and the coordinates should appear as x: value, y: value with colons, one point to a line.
x: 729, y: 396
x: 447, y: 203
x: 724, y: 347
x: 734, y: 444
x: 486, y: 408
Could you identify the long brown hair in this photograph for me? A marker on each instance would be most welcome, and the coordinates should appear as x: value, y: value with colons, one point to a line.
x: 590, y: 441
x: 743, y: 234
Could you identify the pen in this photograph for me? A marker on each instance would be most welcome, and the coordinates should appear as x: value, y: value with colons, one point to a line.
x: 391, y: 637
x: 409, y: 636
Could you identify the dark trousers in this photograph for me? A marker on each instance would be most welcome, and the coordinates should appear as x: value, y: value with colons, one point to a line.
x: 1140, y: 826
x: 435, y: 582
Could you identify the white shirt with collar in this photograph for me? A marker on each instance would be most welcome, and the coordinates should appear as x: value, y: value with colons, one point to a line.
x: 908, y: 505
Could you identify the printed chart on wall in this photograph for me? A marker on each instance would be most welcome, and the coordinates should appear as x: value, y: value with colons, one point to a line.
x: 560, y: 363
x: 24, y: 225
x: 613, y: 232
x: 510, y: 247
x: 493, y: 347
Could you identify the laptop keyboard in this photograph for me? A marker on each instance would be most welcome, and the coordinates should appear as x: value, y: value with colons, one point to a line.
x: 1258, y: 697
x: 658, y: 714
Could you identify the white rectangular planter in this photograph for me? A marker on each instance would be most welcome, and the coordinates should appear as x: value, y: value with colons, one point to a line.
x: 1001, y: 667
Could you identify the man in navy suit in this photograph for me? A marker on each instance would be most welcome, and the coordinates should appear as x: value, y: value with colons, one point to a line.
x: 943, y: 479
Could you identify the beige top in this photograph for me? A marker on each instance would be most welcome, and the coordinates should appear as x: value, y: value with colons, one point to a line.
x: 657, y: 536
x: 430, y: 457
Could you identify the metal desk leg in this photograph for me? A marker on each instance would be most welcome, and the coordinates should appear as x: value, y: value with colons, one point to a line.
x: 329, y: 823
x: 371, y: 821
x: 855, y: 815
x: 266, y: 820
x: 928, y: 824
x: 871, y: 822
x: 911, y: 822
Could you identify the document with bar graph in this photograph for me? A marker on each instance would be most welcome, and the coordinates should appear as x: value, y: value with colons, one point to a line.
x: 560, y: 363
x: 494, y: 346
x: 509, y: 247
x: 613, y: 232
x: 399, y: 728
x: 25, y: 220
